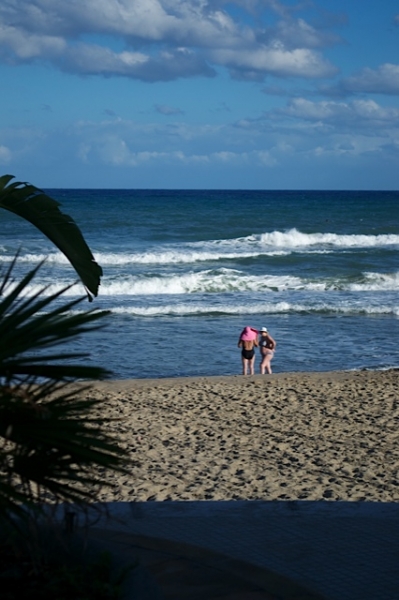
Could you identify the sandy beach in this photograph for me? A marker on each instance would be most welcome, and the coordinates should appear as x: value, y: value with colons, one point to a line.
x: 308, y: 436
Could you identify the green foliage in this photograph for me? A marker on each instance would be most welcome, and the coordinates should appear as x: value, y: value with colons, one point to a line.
x: 32, y: 204
x: 52, y: 447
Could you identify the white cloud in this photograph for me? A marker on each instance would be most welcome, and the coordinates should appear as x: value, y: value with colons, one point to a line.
x: 117, y: 153
x: 5, y: 155
x: 160, y: 40
x: 168, y: 65
x: 277, y: 61
x: 166, y: 110
x: 266, y: 158
x: 303, y: 133
x: 225, y: 156
x: 192, y: 22
x: 302, y: 128
x: 300, y: 34
x: 97, y: 59
x: 384, y: 80
x: 359, y: 113
x: 26, y: 46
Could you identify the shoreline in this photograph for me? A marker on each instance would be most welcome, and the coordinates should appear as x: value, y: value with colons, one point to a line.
x: 128, y: 383
x: 288, y: 436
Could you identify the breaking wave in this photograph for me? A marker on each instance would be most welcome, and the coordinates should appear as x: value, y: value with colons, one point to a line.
x: 276, y: 243
x: 222, y: 281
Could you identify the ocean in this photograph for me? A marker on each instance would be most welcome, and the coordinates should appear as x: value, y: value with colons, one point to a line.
x: 185, y: 271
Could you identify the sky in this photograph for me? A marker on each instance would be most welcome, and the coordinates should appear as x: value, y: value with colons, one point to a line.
x: 200, y: 94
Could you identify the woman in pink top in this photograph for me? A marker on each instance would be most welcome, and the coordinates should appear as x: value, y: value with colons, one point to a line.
x: 248, y: 340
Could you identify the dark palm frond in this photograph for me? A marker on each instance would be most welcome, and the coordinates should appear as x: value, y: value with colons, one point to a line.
x: 32, y: 204
x: 7, y: 276
x: 11, y: 297
x: 54, y: 445
x: 29, y: 324
x: 11, y: 501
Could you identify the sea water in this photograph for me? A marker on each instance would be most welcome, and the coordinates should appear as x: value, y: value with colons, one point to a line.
x: 185, y: 271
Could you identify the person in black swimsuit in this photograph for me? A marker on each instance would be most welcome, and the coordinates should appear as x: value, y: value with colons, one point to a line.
x: 247, y: 341
x: 248, y: 354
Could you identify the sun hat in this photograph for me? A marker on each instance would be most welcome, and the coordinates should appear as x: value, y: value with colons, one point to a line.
x: 248, y: 334
x: 264, y: 329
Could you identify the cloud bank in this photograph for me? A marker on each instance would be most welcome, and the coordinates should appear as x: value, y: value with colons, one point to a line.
x: 162, y: 40
x: 268, y: 98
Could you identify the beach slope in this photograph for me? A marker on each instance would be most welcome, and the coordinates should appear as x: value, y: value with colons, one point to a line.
x: 308, y: 436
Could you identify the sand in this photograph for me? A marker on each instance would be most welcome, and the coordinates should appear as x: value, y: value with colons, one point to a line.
x: 307, y: 436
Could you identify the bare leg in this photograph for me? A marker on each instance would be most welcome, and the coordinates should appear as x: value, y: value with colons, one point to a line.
x: 244, y: 365
x: 268, y: 365
x: 252, y: 365
x: 265, y: 364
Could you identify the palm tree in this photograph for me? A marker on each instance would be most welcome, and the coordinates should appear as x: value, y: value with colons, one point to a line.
x: 32, y: 204
x: 51, y: 441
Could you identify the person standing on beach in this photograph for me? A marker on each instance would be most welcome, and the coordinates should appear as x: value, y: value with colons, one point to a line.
x: 248, y: 340
x: 267, y: 347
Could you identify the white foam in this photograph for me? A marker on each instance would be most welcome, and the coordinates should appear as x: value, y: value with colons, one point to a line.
x: 47, y: 289
x: 231, y: 280
x: 178, y: 256
x: 55, y: 258
x: 220, y: 281
x: 181, y: 309
x: 377, y: 282
x: 274, y: 243
x: 208, y: 281
x: 295, y: 239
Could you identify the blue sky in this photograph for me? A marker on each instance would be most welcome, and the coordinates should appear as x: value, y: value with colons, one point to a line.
x: 246, y: 94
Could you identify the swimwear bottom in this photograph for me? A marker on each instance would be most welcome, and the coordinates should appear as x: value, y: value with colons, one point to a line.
x: 268, y: 351
x: 248, y: 354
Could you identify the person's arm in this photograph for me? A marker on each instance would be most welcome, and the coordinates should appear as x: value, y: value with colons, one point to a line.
x: 273, y: 341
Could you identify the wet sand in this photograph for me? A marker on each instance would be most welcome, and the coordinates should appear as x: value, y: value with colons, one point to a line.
x: 308, y: 436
